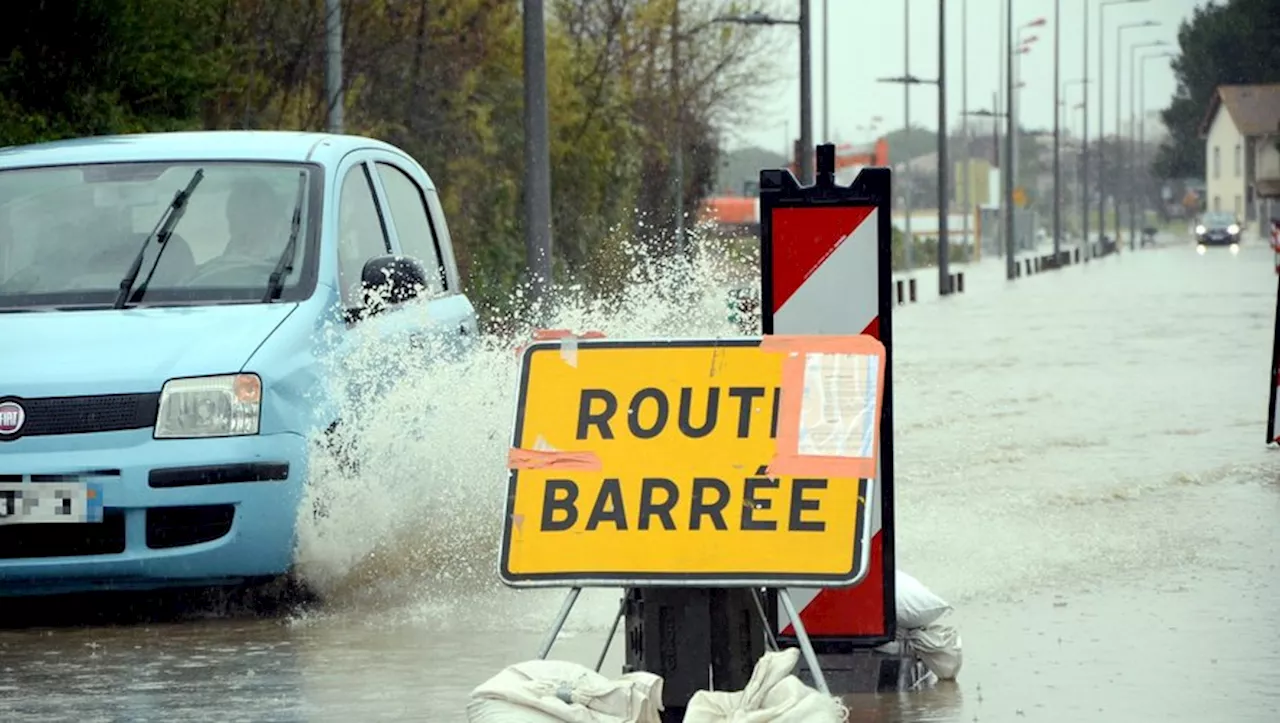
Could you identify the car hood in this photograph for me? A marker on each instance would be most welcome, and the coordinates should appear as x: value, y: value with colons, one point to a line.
x: 65, y: 353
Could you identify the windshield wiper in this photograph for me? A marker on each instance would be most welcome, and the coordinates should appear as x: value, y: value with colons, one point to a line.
x: 162, y: 232
x: 284, y: 267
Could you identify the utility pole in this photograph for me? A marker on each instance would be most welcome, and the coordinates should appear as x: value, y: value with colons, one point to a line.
x: 1007, y: 210
x: 944, y: 168
x: 1057, y: 133
x: 964, y: 121
x: 678, y: 155
x: 537, y: 153
x: 807, y: 148
x: 907, y: 241
x: 333, y: 64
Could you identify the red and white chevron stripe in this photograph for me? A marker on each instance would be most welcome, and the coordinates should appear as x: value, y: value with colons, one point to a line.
x: 826, y: 280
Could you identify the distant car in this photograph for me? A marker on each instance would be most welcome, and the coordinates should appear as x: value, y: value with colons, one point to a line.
x: 1216, y: 228
x: 160, y: 376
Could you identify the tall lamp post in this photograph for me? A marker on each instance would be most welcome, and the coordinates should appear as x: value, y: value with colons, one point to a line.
x: 1115, y: 196
x: 806, y: 89
x: 1141, y: 151
x: 944, y: 206
x: 537, y: 153
x: 995, y: 116
x: 1102, y: 118
x: 1006, y: 214
x: 1057, y: 134
x: 1130, y: 166
x: 1059, y: 113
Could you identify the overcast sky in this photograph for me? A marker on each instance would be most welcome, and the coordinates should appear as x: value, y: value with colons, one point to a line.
x: 866, y: 43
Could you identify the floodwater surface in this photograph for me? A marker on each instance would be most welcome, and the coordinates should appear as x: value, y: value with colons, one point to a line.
x: 1081, y: 473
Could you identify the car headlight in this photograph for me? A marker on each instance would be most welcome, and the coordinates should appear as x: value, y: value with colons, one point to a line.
x: 1200, y: 229
x: 221, y: 406
x: 1233, y: 229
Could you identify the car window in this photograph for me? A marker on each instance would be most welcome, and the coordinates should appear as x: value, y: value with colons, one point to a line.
x: 361, y: 233
x: 413, y: 227
x: 69, y: 234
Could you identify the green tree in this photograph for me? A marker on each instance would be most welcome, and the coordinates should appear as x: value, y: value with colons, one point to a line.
x: 1222, y: 44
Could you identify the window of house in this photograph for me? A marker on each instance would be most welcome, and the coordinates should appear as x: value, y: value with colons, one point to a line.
x: 1239, y: 206
x: 1239, y: 161
x: 1217, y: 203
x: 1217, y: 162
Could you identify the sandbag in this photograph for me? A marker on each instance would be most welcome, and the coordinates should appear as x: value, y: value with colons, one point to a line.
x: 555, y: 691
x: 917, y: 606
x: 938, y: 647
x: 772, y: 695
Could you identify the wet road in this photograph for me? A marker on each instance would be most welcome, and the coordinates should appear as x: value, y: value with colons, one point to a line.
x: 1081, y: 473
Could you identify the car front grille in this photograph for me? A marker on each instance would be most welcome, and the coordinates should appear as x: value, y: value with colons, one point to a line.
x: 83, y: 414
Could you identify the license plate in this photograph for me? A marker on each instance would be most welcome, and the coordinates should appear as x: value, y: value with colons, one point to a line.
x: 44, y: 502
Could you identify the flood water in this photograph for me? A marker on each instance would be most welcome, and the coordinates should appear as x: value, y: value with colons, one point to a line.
x: 1081, y: 473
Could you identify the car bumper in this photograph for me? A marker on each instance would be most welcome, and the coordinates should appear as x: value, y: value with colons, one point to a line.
x: 1218, y: 240
x: 175, y: 512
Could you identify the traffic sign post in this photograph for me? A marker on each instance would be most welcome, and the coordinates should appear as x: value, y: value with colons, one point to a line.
x: 681, y: 468
x: 827, y: 269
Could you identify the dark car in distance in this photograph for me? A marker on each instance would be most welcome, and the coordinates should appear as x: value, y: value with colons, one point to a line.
x: 1217, y: 228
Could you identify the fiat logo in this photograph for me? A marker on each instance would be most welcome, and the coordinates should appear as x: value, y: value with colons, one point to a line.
x: 12, y: 417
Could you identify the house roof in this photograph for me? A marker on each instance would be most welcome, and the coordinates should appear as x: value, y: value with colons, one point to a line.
x: 1254, y: 109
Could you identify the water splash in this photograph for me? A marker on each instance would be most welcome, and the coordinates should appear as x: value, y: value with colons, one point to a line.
x: 415, y: 484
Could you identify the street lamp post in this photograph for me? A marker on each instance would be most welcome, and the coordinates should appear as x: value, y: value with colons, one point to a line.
x: 1102, y: 119
x: 1057, y: 115
x: 806, y: 89
x: 908, y: 242
x: 964, y: 122
x: 1057, y: 134
x: 1130, y: 165
x: 537, y: 159
x: 1142, y: 110
x: 1006, y: 214
x: 1115, y: 196
x: 944, y: 168
x: 995, y: 116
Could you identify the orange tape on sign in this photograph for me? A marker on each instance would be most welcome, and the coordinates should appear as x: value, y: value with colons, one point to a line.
x: 829, y: 414
x: 538, y: 459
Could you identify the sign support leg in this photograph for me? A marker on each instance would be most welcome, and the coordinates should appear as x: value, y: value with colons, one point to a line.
x: 770, y: 639
x: 613, y: 630
x: 558, y: 625
x: 806, y: 646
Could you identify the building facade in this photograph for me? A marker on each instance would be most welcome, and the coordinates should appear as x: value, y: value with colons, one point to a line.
x: 1237, y: 118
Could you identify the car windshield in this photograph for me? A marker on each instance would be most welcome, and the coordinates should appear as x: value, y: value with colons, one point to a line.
x: 1218, y: 219
x: 69, y: 234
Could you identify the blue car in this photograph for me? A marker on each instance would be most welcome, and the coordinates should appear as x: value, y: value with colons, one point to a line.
x: 167, y: 304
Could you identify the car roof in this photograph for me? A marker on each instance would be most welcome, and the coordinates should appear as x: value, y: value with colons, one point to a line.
x: 286, y: 146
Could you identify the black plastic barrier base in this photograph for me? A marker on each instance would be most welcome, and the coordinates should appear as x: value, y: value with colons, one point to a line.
x: 692, y: 637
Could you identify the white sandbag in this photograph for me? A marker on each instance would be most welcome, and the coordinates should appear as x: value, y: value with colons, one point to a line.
x: 917, y: 606
x: 555, y: 691
x: 938, y: 647
x: 772, y: 695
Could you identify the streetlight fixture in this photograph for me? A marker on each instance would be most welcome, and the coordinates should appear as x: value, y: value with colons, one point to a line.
x: 1006, y: 179
x: 806, y: 90
x: 1142, y: 112
x: 1057, y: 134
x: 1129, y: 157
x: 1102, y: 118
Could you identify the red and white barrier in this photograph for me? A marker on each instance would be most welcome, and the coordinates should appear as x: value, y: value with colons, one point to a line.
x: 826, y: 273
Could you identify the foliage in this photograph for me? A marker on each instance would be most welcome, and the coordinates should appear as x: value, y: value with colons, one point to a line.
x: 1222, y: 44
x: 442, y: 79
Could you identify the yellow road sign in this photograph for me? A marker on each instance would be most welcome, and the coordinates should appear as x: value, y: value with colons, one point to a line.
x: 714, y: 462
x: 1019, y: 197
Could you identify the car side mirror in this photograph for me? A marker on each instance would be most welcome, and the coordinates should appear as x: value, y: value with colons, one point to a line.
x: 390, y: 280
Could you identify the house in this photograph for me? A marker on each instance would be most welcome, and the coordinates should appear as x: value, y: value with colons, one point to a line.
x: 1238, y: 116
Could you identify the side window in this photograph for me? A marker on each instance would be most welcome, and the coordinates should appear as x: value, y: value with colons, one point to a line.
x: 361, y: 235
x: 409, y: 213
